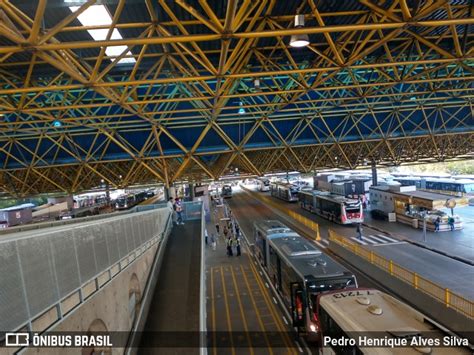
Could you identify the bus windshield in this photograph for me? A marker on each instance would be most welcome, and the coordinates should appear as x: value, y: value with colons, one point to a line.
x: 315, y: 288
x: 330, y: 285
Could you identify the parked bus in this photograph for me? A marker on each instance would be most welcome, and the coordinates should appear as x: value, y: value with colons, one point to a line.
x: 284, y: 191
x: 458, y: 187
x: 263, y: 184
x: 336, y: 208
x: 298, y: 270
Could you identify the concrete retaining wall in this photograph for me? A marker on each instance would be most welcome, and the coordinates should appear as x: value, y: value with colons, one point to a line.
x: 109, y: 306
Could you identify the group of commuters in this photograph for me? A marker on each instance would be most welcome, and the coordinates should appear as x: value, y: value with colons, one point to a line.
x: 176, y: 208
x: 437, y: 223
x: 230, y: 233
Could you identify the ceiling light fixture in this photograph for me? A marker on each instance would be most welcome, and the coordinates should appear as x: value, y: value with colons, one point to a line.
x: 57, y: 123
x: 241, y: 109
x: 256, y: 84
x: 299, y: 40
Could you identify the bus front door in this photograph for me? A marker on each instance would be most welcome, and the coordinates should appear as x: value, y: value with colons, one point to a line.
x: 297, y: 306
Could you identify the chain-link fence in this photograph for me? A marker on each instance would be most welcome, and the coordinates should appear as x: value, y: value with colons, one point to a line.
x: 40, y: 268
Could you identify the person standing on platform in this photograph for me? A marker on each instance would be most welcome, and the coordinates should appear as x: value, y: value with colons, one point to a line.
x: 237, y: 246
x: 179, y: 211
x: 217, y: 228
x: 359, y: 231
x: 436, y: 223
x: 225, y: 231
x: 237, y: 231
x: 229, y: 247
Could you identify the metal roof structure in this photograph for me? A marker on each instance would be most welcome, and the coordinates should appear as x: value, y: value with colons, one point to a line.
x: 388, y: 81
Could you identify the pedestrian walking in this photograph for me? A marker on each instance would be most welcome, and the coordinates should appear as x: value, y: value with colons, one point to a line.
x: 237, y: 246
x: 437, y: 223
x: 229, y: 247
x: 237, y: 230
x: 359, y: 231
x: 179, y: 211
x: 205, y: 235
x: 225, y: 231
x: 451, y: 223
x: 213, y: 241
x: 217, y: 228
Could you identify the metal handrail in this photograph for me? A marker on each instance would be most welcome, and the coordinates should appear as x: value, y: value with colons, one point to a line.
x: 444, y: 295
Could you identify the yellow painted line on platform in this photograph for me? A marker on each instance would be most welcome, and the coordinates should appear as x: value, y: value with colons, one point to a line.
x: 229, y: 325
x: 242, y: 313
x: 213, y: 307
x: 270, y: 306
x: 257, y: 311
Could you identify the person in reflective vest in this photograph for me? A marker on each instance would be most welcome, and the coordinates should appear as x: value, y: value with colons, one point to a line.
x: 237, y: 246
x: 229, y: 247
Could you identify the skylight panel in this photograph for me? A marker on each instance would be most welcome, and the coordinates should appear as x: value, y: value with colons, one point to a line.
x: 94, y: 15
x: 97, y: 15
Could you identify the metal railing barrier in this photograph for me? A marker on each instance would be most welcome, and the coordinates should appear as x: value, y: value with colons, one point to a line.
x: 442, y: 294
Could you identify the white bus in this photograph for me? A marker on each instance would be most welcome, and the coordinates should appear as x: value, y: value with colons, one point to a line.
x: 284, y: 191
x: 336, y: 208
x: 263, y: 184
x: 361, y: 316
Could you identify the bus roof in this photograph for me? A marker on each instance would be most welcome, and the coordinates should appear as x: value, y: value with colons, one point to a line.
x: 307, y: 260
x: 285, y: 184
x: 330, y: 196
x: 359, y: 310
x: 272, y: 227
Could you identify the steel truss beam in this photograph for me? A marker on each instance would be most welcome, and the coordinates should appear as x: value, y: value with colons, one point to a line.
x: 392, y: 78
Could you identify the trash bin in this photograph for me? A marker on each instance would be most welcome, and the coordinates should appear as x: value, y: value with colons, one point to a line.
x: 414, y: 223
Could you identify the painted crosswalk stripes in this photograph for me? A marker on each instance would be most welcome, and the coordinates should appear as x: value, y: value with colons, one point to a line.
x: 357, y: 240
x: 375, y: 240
x: 387, y: 238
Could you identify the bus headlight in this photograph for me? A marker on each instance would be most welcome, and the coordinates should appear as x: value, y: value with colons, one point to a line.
x: 313, y: 328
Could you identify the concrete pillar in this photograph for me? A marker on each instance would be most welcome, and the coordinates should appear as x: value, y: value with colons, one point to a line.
x: 315, y: 182
x: 170, y: 192
x: 107, y: 193
x: 374, y: 173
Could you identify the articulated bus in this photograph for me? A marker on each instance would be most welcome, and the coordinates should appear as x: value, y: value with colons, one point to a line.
x: 284, y: 191
x: 324, y: 301
x: 263, y: 184
x: 334, y: 207
x: 298, y: 270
